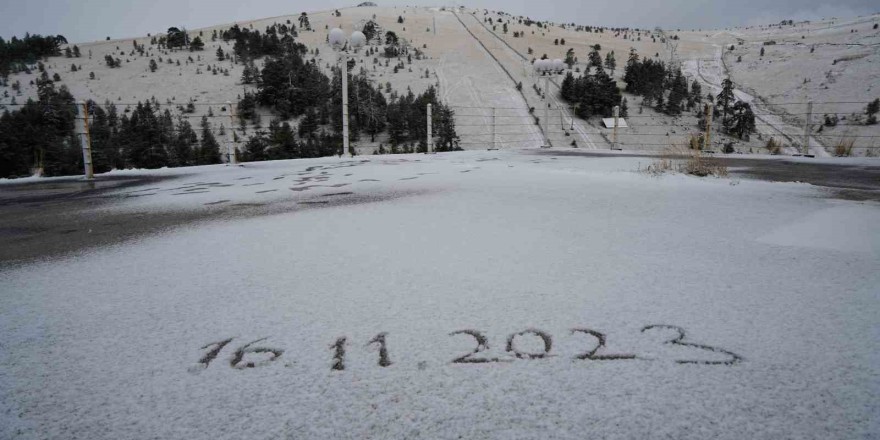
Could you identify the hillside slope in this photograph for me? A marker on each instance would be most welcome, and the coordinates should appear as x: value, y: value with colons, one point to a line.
x: 477, y: 69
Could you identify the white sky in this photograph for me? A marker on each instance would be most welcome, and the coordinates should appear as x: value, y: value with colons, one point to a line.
x: 87, y: 20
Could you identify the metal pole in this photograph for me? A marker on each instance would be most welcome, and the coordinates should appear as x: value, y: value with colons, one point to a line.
x: 614, y: 133
x: 561, y: 119
x: 494, y: 130
x: 807, y: 128
x: 430, y: 142
x: 547, y: 110
x: 344, y: 104
x: 230, y: 149
x: 707, y: 139
x: 85, y: 139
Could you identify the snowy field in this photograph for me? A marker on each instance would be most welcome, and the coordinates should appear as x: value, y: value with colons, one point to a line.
x: 455, y: 296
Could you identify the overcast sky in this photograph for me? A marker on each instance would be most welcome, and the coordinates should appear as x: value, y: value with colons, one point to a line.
x: 88, y: 20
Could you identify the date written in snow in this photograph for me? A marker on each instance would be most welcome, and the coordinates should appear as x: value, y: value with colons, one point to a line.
x: 594, y: 351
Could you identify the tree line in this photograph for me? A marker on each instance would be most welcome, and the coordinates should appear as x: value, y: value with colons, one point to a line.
x: 42, y: 135
x: 292, y: 86
x: 593, y: 94
x: 16, y: 54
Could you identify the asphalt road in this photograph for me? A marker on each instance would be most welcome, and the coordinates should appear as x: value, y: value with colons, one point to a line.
x: 852, y: 182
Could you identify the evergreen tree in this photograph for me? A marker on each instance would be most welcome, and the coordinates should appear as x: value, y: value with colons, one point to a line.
x: 176, y: 38
x: 220, y: 55
x: 184, y: 145
x: 569, y: 58
x: 196, y: 44
x: 677, y: 94
x: 696, y: 91
x: 871, y: 111
x: 209, y: 150
x: 610, y: 62
x: 725, y: 99
x: 742, y: 120
x: 595, y: 59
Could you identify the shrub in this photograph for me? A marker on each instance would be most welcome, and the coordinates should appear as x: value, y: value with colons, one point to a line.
x: 773, y: 147
x: 844, y: 147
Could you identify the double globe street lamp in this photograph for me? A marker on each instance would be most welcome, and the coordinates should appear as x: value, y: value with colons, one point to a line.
x: 342, y: 45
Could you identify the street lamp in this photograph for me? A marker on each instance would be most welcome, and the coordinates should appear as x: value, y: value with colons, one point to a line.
x: 342, y: 44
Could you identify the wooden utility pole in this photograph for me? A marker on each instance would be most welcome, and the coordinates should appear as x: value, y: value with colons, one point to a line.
x: 85, y: 139
x: 614, y: 133
x: 230, y: 149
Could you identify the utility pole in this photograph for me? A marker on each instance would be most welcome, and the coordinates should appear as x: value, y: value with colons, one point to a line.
x: 807, y: 128
x: 614, y: 133
x: 707, y: 138
x: 85, y: 139
x: 430, y: 143
x: 547, y: 110
x: 230, y: 149
x: 344, y: 104
x: 561, y: 118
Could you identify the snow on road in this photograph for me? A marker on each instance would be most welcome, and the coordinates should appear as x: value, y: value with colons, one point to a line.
x: 355, y: 318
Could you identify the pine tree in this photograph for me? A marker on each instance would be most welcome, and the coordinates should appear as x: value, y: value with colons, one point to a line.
x: 209, y: 150
x: 153, y: 66
x: 871, y: 111
x: 742, y: 120
x: 196, y: 44
x: 610, y: 62
x: 184, y: 144
x: 677, y: 94
x: 220, y: 55
x: 569, y: 58
x: 696, y: 91
x: 725, y: 99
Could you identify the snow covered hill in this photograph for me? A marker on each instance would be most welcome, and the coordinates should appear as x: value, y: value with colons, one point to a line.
x: 477, y: 68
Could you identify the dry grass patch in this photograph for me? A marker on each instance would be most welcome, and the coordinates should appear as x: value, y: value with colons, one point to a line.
x: 681, y: 159
x: 844, y: 146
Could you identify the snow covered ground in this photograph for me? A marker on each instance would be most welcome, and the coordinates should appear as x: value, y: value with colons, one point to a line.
x: 774, y: 287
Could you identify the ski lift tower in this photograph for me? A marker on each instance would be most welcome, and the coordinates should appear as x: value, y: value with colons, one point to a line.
x: 546, y: 69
